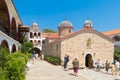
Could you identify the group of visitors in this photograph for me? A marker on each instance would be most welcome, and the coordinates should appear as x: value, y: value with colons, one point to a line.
x: 115, y: 67
x: 36, y: 56
x: 75, y: 63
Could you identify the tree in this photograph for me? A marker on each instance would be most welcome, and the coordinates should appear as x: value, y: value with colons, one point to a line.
x: 117, y: 55
x: 49, y: 30
x: 27, y: 46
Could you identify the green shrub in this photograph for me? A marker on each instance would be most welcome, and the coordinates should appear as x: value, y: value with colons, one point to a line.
x: 12, y: 66
x: 52, y: 59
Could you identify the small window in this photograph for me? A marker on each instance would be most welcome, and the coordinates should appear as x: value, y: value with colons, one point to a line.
x: 69, y: 31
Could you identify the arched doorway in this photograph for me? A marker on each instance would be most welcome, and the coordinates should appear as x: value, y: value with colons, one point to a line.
x: 88, y: 61
x: 37, y: 50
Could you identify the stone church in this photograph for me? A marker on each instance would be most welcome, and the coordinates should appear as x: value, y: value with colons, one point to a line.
x: 85, y: 44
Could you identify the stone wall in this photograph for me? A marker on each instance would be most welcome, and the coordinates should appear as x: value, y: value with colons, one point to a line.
x: 52, y: 49
x: 77, y: 46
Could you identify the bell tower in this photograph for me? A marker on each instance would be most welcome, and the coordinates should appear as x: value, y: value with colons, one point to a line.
x: 88, y: 24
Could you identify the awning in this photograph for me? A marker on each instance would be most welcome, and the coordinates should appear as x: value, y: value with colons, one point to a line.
x: 23, y: 28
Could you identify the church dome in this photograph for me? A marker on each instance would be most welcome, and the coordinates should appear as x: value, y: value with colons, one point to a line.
x: 65, y: 24
x: 88, y: 22
x: 35, y: 24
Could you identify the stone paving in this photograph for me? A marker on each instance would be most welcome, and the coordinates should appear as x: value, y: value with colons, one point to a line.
x: 42, y: 70
x: 94, y: 75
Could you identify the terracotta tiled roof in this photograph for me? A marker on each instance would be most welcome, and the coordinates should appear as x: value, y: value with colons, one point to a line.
x: 50, y: 35
x: 90, y: 30
x: 112, y: 32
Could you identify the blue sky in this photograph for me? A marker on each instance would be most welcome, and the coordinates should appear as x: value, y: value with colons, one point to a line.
x: 105, y: 14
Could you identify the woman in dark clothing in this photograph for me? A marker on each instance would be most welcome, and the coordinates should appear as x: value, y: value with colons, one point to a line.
x: 107, y: 66
x: 75, y: 66
x: 66, y: 60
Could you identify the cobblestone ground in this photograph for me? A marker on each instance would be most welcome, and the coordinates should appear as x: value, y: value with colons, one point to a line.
x: 42, y: 70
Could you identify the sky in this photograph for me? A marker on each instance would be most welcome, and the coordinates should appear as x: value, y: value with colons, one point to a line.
x: 104, y: 14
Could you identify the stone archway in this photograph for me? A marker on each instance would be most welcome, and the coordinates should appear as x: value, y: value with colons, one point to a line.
x: 37, y: 50
x: 13, y: 48
x: 88, y: 60
x: 4, y: 43
x: 4, y: 18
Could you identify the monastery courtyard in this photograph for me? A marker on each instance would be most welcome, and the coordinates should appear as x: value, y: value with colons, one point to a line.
x: 42, y: 70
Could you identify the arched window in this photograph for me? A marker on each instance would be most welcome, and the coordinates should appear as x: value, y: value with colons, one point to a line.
x: 31, y: 41
x: 39, y: 34
x: 69, y: 30
x: 13, y: 48
x: 39, y: 42
x: 35, y: 34
x: 31, y: 35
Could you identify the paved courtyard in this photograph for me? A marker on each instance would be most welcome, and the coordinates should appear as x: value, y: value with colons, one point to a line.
x: 42, y: 70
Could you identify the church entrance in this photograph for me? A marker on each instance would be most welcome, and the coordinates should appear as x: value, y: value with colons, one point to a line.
x: 88, y: 61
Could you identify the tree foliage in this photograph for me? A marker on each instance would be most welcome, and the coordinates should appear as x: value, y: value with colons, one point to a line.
x: 3, y: 59
x: 117, y: 55
x: 27, y: 46
x: 49, y: 30
x: 16, y: 66
x: 12, y: 66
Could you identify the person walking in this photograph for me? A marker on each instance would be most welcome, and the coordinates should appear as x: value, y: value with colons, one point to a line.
x: 65, y: 62
x: 113, y: 68
x: 99, y: 65
x: 75, y: 66
x: 117, y: 65
x: 92, y: 63
x: 107, y: 66
x: 41, y: 55
x: 68, y: 62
